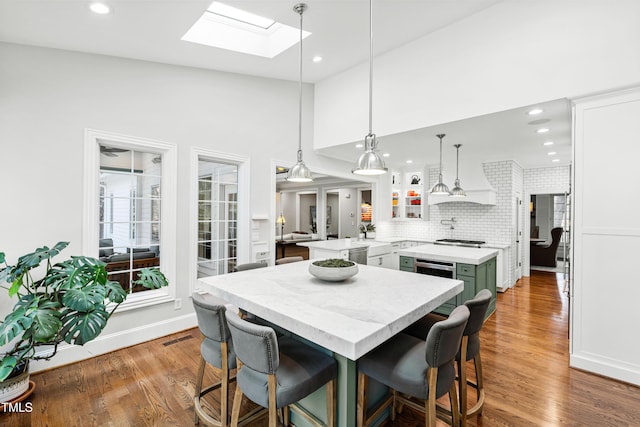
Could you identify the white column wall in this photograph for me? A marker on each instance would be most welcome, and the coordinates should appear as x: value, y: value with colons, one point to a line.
x: 606, y: 236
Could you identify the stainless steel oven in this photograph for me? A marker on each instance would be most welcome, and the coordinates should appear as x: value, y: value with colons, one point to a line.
x: 435, y: 268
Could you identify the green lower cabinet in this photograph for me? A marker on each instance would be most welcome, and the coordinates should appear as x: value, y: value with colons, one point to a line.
x: 475, y: 278
x: 406, y: 263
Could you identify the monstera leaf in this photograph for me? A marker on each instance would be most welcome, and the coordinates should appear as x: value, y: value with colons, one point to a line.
x: 46, y: 322
x: 76, y: 273
x: 151, y: 278
x: 6, y: 366
x: 115, y: 293
x: 80, y: 328
x: 84, y: 299
x: 33, y: 259
x: 19, y: 320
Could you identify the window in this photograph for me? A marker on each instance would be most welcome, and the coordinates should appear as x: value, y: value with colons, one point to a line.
x: 130, y: 193
x: 219, y: 209
x: 129, y: 218
x: 217, y: 218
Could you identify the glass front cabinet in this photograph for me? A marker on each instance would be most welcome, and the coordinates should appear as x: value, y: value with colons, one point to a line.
x: 408, y: 197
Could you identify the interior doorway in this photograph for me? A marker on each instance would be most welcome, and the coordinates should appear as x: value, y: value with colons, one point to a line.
x: 549, y: 232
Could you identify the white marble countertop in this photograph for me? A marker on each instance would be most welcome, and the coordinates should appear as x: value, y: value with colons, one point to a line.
x: 349, y: 318
x: 450, y: 253
x: 412, y: 239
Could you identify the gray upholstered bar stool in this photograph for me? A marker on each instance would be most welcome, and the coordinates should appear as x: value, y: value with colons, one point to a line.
x: 216, y: 350
x: 469, y: 349
x: 277, y: 372
x: 249, y: 266
x: 415, y: 369
x: 287, y: 260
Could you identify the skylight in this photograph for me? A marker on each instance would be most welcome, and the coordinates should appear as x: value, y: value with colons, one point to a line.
x: 227, y: 27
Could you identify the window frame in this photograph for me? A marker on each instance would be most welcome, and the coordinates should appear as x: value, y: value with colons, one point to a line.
x: 91, y: 227
x: 242, y: 204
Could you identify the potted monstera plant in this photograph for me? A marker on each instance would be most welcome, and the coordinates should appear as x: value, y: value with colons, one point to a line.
x: 71, y: 301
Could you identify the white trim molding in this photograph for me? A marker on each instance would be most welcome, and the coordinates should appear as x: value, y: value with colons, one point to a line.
x: 244, y: 206
x: 91, y: 230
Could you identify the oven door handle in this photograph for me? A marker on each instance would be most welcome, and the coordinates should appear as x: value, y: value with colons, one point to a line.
x: 435, y: 266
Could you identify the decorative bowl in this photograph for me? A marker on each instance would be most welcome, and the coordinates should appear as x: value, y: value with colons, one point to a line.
x: 337, y: 271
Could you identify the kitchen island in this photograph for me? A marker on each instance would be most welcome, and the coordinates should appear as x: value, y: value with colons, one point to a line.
x: 476, y: 267
x: 347, y: 318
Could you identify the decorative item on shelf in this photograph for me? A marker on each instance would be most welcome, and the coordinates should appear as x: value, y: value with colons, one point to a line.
x: 415, y: 180
x: 300, y: 172
x: 365, y: 212
x: 71, y: 302
x: 440, y: 188
x: 457, y: 191
x: 370, y: 162
x: 333, y: 269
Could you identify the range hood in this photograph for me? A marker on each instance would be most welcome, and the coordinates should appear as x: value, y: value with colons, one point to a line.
x: 472, y: 179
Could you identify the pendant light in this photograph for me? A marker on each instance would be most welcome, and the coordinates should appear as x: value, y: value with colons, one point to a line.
x: 300, y: 172
x: 370, y: 162
x: 457, y: 191
x: 440, y: 188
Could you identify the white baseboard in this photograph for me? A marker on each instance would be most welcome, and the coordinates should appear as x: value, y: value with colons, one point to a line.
x: 110, y: 342
x: 606, y: 367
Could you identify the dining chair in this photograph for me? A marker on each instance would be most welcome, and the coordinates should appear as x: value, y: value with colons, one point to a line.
x: 287, y: 260
x: 216, y: 350
x: 276, y: 372
x: 249, y: 266
x: 469, y: 350
x: 414, y: 369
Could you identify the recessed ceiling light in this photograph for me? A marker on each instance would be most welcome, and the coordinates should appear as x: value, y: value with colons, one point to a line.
x: 359, y: 145
x: 317, y: 58
x: 548, y: 143
x: 542, y: 130
x: 386, y: 155
x: 555, y: 160
x: 99, y: 8
x: 551, y: 153
x: 535, y: 111
x: 409, y: 161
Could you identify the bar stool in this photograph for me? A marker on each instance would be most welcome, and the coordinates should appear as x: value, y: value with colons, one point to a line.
x: 422, y: 369
x: 287, y: 260
x: 249, y: 266
x: 277, y: 372
x: 470, y: 349
x: 216, y: 350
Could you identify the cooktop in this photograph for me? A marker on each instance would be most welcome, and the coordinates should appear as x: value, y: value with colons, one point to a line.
x: 459, y: 242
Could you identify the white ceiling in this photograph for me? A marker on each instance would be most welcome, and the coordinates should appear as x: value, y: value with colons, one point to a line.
x: 151, y: 30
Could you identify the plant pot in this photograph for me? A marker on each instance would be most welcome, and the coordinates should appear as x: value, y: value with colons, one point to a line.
x: 333, y: 274
x: 14, y: 386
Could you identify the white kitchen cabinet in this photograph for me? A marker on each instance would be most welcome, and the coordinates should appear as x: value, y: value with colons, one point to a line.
x: 384, y: 261
x: 408, y: 196
x: 395, y: 257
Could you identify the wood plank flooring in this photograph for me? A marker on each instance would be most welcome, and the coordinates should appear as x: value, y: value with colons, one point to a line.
x: 525, y: 357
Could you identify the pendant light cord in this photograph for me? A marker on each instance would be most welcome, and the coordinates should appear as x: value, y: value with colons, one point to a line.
x: 370, y: 67
x: 301, y: 10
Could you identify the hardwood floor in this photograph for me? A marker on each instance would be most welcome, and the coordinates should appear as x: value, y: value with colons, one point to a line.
x: 525, y: 358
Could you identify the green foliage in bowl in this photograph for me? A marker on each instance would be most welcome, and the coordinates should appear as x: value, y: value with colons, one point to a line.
x: 334, y: 263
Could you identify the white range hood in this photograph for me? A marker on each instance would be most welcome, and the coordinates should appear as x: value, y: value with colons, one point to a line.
x: 472, y: 180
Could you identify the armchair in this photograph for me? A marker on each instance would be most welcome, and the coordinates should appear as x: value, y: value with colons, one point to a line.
x: 545, y: 256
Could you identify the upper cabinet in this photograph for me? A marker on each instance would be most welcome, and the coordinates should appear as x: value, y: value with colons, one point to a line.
x: 408, y: 197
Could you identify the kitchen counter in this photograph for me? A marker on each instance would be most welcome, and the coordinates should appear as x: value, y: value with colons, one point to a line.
x: 445, y: 253
x: 421, y: 240
x: 321, y: 248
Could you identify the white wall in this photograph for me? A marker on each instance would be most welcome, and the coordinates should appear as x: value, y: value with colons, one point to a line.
x: 606, y: 237
x: 513, y: 54
x: 47, y: 99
